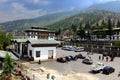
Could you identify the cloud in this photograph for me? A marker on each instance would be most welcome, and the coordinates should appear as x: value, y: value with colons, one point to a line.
x: 42, y: 2
x: 108, y: 0
x: 3, y: 1
x: 19, y: 11
x: 20, y: 8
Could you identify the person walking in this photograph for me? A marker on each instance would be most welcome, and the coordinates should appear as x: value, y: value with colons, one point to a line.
x: 107, y: 58
x: 99, y: 57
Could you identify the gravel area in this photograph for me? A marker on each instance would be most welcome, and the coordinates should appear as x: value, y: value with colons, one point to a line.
x: 77, y: 67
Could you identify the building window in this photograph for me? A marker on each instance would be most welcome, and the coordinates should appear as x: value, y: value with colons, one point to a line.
x: 37, y: 53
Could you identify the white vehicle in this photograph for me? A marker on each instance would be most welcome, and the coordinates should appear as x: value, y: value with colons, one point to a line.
x: 97, y: 67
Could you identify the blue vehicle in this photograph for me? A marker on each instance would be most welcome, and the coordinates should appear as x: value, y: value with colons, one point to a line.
x: 74, y: 57
x: 80, y: 56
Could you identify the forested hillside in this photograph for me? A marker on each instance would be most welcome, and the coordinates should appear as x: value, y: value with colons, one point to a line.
x: 87, y: 20
x: 23, y: 24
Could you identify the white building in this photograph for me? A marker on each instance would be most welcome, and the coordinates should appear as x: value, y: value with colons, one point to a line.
x: 114, y: 36
x: 38, y: 45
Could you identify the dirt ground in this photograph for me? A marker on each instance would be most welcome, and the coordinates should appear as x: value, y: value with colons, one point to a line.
x: 62, y: 76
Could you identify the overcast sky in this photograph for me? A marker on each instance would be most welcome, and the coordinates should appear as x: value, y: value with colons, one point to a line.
x: 20, y: 9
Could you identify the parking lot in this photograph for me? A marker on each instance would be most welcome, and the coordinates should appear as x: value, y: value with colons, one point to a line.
x: 78, y: 67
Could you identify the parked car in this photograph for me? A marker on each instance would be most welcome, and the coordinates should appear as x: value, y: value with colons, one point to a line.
x: 108, y: 70
x: 61, y: 59
x: 79, y: 49
x: 97, y: 67
x: 87, y: 61
x: 69, y: 48
x: 73, y: 57
x: 106, y: 54
x: 81, y: 56
x: 68, y: 58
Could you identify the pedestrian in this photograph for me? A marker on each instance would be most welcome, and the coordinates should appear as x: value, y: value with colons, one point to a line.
x: 53, y: 77
x: 39, y: 62
x: 119, y: 74
x: 107, y: 58
x: 99, y: 57
x: 48, y: 76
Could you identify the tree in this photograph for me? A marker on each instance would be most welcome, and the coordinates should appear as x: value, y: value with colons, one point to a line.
x: 118, y: 23
x: 74, y: 29
x: 81, y: 33
x: 5, y: 39
x: 110, y: 30
x: 2, y: 38
x: 8, y: 64
x: 87, y: 26
x: 116, y: 43
x: 58, y: 32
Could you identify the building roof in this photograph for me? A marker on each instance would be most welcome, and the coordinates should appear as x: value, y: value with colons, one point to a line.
x: 43, y: 41
x: 19, y: 40
x: 39, y: 30
x: 114, y: 29
x: 33, y: 41
x: 3, y: 54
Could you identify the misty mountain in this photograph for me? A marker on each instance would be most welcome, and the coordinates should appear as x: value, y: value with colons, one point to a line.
x: 113, y: 6
x: 39, y: 21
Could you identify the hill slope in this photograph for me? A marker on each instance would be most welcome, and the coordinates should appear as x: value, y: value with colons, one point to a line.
x: 39, y: 21
x: 91, y: 17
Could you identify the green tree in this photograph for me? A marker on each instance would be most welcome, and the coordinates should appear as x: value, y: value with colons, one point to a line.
x: 110, y: 30
x: 118, y: 23
x: 74, y: 29
x: 116, y: 43
x: 81, y: 33
x: 5, y: 39
x: 57, y: 33
x: 2, y: 38
x: 8, y: 64
x: 87, y: 26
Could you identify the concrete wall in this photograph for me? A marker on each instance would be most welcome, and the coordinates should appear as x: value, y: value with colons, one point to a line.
x: 43, y: 52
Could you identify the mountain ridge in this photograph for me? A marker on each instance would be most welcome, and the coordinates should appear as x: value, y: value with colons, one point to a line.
x: 56, y: 18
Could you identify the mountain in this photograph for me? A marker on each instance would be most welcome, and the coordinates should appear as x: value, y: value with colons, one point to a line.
x: 64, y: 19
x: 113, y: 6
x: 91, y: 17
x: 39, y: 21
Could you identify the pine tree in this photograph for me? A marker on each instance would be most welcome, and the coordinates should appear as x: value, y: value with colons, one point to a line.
x: 8, y: 64
x: 110, y: 30
x: 118, y: 23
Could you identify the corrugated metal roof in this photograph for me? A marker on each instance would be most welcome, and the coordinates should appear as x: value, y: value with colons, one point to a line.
x: 3, y: 54
x: 33, y: 41
x: 20, y: 40
x: 44, y: 42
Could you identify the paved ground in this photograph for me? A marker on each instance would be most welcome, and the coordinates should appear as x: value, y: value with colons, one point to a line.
x: 78, y: 66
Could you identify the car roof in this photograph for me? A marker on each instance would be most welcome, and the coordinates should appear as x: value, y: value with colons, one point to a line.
x: 107, y: 67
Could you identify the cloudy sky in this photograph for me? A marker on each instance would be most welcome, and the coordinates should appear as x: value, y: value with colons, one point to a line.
x: 20, y: 9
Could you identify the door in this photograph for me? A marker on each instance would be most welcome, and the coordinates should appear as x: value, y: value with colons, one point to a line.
x: 50, y: 54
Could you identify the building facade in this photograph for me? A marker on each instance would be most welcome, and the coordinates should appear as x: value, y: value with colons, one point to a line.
x: 39, y: 33
x: 39, y: 44
x: 103, y: 34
